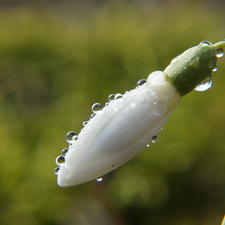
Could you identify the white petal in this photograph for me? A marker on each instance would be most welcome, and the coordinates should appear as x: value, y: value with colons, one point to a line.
x: 120, y: 131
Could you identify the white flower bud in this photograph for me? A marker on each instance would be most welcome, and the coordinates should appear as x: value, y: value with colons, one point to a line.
x: 119, y: 131
x: 127, y: 124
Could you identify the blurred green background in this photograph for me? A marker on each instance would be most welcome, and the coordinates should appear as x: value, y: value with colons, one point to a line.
x: 57, y: 58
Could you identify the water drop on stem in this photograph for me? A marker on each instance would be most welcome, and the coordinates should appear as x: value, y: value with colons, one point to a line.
x: 205, y: 85
x: 219, y: 52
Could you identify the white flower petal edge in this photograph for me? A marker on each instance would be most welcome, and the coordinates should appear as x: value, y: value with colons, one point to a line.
x: 119, y: 131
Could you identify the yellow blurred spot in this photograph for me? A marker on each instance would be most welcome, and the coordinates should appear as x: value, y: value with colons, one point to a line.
x: 223, y: 222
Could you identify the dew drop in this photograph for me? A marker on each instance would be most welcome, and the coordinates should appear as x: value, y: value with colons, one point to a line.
x: 60, y: 160
x: 111, y: 97
x: 206, y: 43
x: 154, y: 139
x: 160, y: 129
x: 215, y: 68
x: 75, y: 137
x: 193, y: 61
x: 69, y: 136
x: 219, y: 52
x: 64, y: 151
x: 159, y: 107
x: 118, y: 96
x: 76, y: 184
x: 96, y: 107
x: 148, y: 145
x: 85, y: 123
x: 92, y: 115
x: 174, y: 60
x: 106, y: 103
x: 141, y: 82
x: 212, y: 63
x: 114, y: 166
x: 205, y: 85
x: 99, y: 179
x: 56, y: 170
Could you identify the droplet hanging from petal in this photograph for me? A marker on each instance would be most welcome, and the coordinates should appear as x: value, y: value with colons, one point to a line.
x: 154, y: 139
x: 99, y: 179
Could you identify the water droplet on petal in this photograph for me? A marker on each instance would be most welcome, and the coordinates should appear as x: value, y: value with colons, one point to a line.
x: 114, y: 166
x: 60, y: 160
x: 69, y: 136
x: 85, y: 123
x: 174, y: 60
x: 205, y: 43
x: 205, y: 85
x: 75, y: 137
x: 99, y: 179
x: 111, y: 97
x: 160, y: 129
x: 106, y: 103
x: 219, y: 52
x: 64, y: 151
x: 56, y: 170
x: 76, y: 185
x: 96, y: 107
x: 141, y: 82
x: 154, y: 139
x: 148, y: 145
x: 159, y: 107
x: 118, y: 96
x: 92, y: 115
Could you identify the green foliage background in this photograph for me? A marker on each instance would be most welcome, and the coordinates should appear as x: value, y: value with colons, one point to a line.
x: 56, y: 62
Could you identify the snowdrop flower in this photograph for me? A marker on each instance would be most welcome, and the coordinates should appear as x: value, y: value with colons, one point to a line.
x: 130, y: 122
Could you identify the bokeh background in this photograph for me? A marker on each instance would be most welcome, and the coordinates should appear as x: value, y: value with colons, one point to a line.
x: 57, y: 58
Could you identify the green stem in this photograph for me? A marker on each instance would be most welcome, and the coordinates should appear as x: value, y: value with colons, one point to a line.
x: 220, y: 44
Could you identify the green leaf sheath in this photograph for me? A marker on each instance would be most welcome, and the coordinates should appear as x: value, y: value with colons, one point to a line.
x: 193, y: 66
